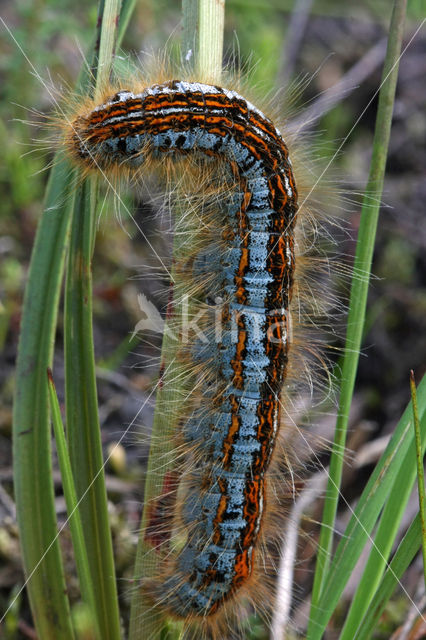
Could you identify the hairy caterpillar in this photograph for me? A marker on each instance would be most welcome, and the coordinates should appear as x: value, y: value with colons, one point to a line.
x: 243, y: 269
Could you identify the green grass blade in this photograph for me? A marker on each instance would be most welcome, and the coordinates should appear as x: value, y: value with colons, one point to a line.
x: 384, y: 539
x: 83, y: 430
x: 358, y: 296
x: 383, y: 482
x: 70, y: 495
x: 32, y: 466
x: 404, y: 555
x: 171, y: 392
x: 419, y: 465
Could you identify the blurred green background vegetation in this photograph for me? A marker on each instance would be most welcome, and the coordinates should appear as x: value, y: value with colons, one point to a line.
x: 259, y: 35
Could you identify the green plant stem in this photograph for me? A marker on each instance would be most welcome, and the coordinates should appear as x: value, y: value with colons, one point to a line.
x: 108, y: 38
x: 172, y: 390
x: 420, y: 470
x: 210, y: 39
x: 358, y: 296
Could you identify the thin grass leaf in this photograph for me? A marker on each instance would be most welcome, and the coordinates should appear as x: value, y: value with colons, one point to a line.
x: 83, y: 428
x: 404, y: 555
x: 358, y: 298
x: 70, y: 495
x: 419, y: 466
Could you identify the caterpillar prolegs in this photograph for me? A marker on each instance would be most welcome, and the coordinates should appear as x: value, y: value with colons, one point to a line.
x: 248, y: 270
